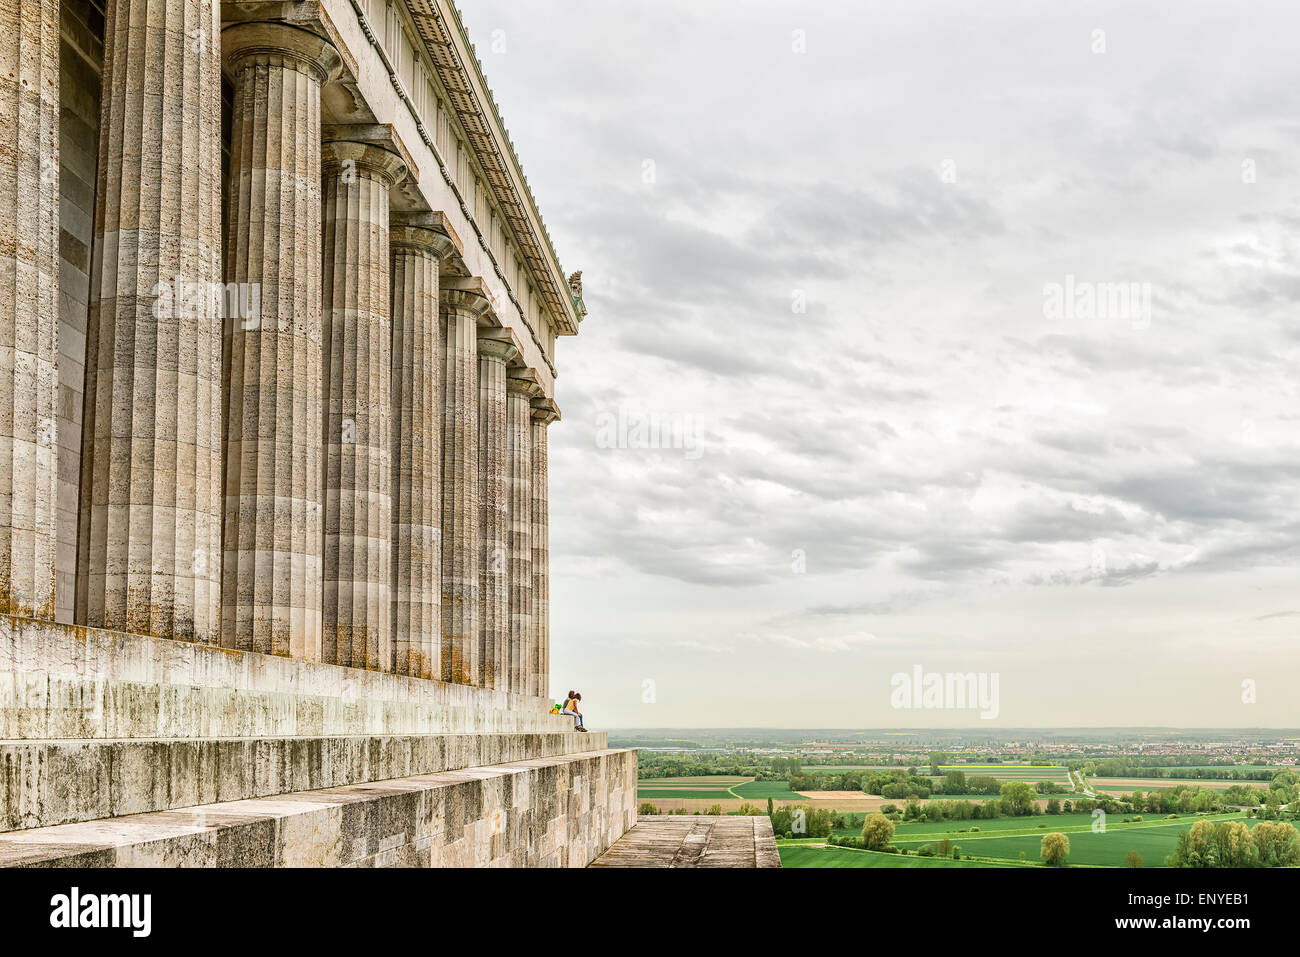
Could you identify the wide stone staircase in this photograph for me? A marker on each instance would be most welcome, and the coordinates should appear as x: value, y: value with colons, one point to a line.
x: 120, y: 750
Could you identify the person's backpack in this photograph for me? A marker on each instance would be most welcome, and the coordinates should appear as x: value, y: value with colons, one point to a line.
x: 556, y: 708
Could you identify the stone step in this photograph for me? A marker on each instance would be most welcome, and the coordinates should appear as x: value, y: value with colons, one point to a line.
x: 544, y: 812
x: 45, y: 783
x: 695, y: 841
x: 60, y: 681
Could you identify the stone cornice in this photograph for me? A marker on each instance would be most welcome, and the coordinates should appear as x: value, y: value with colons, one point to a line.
x: 440, y: 27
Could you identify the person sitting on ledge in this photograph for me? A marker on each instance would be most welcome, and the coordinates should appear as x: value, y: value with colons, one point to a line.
x: 571, y: 707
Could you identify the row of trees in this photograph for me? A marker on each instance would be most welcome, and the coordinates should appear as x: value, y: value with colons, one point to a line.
x: 1233, y: 844
x: 1188, y: 767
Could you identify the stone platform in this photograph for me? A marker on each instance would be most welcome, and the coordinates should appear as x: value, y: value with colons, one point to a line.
x: 550, y: 812
x: 119, y: 750
x: 664, y: 840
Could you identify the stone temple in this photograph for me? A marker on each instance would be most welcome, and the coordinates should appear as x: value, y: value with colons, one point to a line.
x: 278, y: 323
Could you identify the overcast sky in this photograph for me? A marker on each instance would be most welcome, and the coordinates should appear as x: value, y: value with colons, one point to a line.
x: 842, y: 253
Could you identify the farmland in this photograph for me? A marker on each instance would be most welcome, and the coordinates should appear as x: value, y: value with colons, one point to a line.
x: 988, y: 821
x: 1125, y: 785
x: 715, y: 788
x: 1011, y: 772
x: 1004, y: 840
x: 809, y: 855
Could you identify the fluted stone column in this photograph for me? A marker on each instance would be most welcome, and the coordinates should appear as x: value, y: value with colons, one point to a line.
x: 357, y: 396
x: 149, y: 543
x: 271, y: 569
x: 545, y: 412
x: 417, y: 451
x: 495, y: 350
x: 522, y: 389
x: 461, y: 548
x: 29, y: 274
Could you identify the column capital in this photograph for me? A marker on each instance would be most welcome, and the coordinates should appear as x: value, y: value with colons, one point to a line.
x: 381, y: 135
x: 525, y: 382
x: 367, y: 159
x: 259, y: 41
x: 427, y: 231
x: 498, y: 343
x: 419, y: 240
x: 470, y: 296
x: 463, y: 302
x: 545, y: 411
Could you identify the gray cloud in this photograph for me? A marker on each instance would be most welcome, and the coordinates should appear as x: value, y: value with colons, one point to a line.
x: 835, y: 282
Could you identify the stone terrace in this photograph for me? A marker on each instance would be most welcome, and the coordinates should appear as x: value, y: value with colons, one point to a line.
x: 694, y: 841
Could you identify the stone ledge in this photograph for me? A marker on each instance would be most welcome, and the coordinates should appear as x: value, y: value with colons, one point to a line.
x: 695, y: 841
x: 546, y: 812
x: 45, y: 783
x: 62, y: 681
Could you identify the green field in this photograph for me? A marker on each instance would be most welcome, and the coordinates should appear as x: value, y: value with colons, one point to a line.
x: 1010, y: 772
x: 646, y: 794
x: 841, y: 768
x: 1127, y: 785
x: 1152, y: 838
x: 941, y: 829
x: 762, y: 790
x: 806, y: 855
x: 707, y: 788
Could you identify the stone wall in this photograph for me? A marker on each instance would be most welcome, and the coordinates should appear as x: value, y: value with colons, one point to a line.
x: 60, y: 681
x: 557, y: 812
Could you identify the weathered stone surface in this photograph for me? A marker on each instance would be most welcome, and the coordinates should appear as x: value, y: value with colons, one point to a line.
x: 58, y: 681
x: 460, y: 313
x: 694, y: 841
x: 272, y: 565
x: 538, y: 664
x: 495, y: 350
x: 417, y: 449
x: 522, y: 389
x: 150, y: 532
x: 544, y: 812
x: 29, y: 287
x: 43, y: 783
x: 358, y: 393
